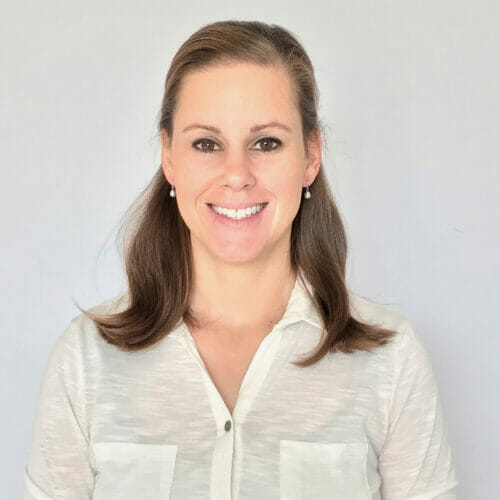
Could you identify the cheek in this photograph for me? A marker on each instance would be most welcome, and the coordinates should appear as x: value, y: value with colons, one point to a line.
x: 190, y: 191
x: 191, y: 178
x: 288, y: 201
x: 288, y: 185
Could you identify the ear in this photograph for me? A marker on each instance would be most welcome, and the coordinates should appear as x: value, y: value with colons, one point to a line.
x: 166, y: 154
x: 314, y: 152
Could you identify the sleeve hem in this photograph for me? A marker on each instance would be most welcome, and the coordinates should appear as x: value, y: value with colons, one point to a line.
x: 31, y: 488
x: 437, y: 493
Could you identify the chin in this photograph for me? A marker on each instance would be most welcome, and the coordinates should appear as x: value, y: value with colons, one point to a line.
x: 237, y: 254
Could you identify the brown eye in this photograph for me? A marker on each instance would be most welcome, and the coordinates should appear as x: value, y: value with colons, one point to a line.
x: 207, y: 145
x: 267, y: 144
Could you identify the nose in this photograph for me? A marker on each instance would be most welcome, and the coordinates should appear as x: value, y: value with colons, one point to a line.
x: 238, y: 172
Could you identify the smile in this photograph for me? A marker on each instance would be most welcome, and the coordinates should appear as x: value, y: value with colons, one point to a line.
x: 237, y: 214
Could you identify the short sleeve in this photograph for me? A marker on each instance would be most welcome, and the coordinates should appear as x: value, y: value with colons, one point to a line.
x: 58, y: 465
x: 415, y: 462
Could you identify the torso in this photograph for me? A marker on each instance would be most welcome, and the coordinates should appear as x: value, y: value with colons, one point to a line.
x: 227, y: 359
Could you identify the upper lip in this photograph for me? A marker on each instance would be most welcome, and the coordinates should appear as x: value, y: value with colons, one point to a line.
x: 237, y: 206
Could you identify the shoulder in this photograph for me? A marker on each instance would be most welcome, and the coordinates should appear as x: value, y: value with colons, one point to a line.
x: 80, y: 338
x: 405, y: 340
x: 404, y: 362
x: 371, y: 312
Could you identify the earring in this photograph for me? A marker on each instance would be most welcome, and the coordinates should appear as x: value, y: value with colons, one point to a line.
x: 172, y: 192
x: 307, y: 193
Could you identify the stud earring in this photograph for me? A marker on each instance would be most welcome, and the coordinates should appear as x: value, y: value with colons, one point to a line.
x: 172, y: 192
x: 307, y: 193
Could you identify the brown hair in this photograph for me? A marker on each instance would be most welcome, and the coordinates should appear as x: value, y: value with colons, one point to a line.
x: 158, y: 254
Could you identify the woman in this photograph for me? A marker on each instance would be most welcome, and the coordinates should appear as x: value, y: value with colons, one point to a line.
x: 194, y: 383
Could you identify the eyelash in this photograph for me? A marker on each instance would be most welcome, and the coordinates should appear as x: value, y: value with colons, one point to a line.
x: 273, y: 139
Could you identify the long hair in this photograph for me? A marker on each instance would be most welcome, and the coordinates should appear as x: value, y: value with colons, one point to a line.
x: 157, y: 253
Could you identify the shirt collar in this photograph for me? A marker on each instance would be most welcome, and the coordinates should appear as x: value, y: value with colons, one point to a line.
x: 299, y: 308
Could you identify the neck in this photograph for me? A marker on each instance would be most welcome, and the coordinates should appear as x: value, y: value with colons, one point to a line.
x: 240, y: 297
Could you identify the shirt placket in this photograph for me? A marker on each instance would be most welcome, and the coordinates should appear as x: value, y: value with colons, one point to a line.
x: 227, y: 455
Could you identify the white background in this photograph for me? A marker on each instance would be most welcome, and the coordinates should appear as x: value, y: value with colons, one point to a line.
x: 410, y: 98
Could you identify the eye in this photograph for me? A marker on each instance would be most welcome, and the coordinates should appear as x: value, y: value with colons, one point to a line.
x: 266, y: 144
x: 207, y: 145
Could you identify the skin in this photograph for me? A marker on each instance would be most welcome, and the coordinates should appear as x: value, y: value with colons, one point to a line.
x: 242, y: 277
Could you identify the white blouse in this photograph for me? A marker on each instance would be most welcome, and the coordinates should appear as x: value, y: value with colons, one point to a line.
x: 150, y: 425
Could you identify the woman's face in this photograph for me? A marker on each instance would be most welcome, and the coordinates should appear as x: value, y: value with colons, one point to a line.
x: 237, y: 143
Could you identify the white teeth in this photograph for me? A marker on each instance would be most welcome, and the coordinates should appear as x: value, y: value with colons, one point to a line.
x: 241, y: 213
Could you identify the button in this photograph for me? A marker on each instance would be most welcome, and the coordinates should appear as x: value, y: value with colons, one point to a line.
x: 228, y: 426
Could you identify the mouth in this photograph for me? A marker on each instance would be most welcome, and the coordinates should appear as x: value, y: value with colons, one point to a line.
x: 237, y: 206
x: 240, y: 215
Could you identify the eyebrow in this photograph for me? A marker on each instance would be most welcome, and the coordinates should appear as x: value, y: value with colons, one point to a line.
x: 255, y: 128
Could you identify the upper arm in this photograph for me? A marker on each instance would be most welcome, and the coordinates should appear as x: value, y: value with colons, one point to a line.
x: 415, y: 462
x: 58, y: 465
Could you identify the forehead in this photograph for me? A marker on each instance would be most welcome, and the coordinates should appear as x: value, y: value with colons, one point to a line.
x: 236, y: 88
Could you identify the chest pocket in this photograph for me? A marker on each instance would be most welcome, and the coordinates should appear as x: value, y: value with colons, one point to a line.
x: 333, y: 471
x: 132, y: 471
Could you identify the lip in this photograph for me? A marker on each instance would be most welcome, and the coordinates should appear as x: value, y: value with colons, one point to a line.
x: 237, y: 206
x: 246, y: 223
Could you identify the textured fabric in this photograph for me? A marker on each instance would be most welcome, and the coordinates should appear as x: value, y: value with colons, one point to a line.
x: 152, y: 425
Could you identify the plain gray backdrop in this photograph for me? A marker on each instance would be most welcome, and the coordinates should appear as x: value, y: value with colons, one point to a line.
x: 409, y: 94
